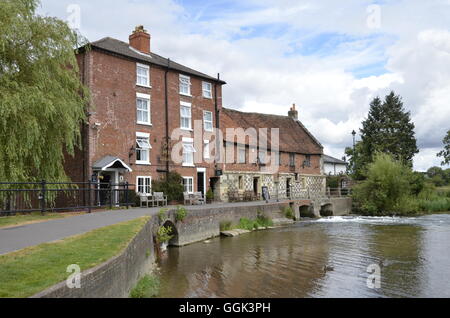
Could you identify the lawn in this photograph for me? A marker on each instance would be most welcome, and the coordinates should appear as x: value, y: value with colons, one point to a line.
x: 35, y: 217
x: 31, y: 270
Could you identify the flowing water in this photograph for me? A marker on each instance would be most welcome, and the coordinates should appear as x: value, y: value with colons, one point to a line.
x: 319, y: 258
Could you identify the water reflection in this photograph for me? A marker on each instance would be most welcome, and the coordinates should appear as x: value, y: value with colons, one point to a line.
x: 289, y: 262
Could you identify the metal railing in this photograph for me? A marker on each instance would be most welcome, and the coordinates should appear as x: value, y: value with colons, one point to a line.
x: 28, y: 197
x: 338, y: 192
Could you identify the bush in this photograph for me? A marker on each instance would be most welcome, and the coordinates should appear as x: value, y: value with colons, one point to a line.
x: 147, y: 287
x: 247, y: 224
x: 181, y: 213
x: 210, y: 195
x: 164, y: 234
x: 435, y: 205
x: 263, y: 221
x: 225, y: 226
x: 172, y: 187
x: 288, y: 212
x: 387, y: 189
x: 162, y: 215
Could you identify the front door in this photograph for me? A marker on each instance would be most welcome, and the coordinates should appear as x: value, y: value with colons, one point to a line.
x: 255, y: 185
x: 288, y: 188
x: 201, y: 182
x: 104, y: 189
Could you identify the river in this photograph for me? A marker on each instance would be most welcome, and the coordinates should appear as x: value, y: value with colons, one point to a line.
x: 328, y: 257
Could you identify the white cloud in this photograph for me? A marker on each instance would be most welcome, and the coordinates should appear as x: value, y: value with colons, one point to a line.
x: 266, y: 73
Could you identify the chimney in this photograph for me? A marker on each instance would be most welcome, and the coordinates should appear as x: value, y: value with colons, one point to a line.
x: 140, y: 40
x: 293, y: 113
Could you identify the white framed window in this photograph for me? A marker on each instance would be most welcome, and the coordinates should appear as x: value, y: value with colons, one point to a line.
x: 188, y: 153
x: 241, y: 155
x: 185, y: 85
x: 143, y: 109
x: 208, y: 120
x: 188, y: 184
x: 142, y: 75
x: 143, y: 148
x: 206, y: 150
x: 207, y: 89
x: 144, y: 185
x: 185, y: 116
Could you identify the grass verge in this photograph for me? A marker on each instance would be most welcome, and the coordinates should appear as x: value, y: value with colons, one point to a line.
x: 35, y: 217
x: 147, y: 287
x: 31, y: 270
x: 246, y: 224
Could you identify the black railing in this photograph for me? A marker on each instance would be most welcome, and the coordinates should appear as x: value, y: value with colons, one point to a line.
x: 28, y: 197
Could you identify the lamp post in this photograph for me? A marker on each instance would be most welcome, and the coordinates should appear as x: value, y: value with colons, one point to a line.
x: 354, y: 150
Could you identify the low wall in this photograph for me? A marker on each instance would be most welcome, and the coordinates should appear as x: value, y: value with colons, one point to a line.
x: 117, y: 276
x: 341, y: 206
x: 203, y: 224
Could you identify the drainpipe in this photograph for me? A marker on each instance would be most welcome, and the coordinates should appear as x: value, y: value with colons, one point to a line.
x: 167, y: 117
x: 216, y: 107
x: 85, y: 126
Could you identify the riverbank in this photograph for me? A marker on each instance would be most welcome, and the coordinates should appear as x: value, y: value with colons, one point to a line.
x: 31, y: 270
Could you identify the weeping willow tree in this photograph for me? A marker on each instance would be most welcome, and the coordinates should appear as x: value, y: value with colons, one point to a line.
x: 42, y: 100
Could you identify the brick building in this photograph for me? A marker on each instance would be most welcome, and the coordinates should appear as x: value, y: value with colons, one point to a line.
x: 138, y: 99
x: 290, y: 169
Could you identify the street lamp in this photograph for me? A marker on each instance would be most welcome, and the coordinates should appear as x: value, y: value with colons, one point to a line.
x: 354, y: 150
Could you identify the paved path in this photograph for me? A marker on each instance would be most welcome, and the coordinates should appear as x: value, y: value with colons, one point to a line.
x: 16, y: 238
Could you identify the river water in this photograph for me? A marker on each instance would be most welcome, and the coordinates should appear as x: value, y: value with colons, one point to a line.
x: 318, y: 258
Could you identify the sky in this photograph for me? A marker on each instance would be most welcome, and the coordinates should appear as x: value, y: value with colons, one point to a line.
x: 330, y: 58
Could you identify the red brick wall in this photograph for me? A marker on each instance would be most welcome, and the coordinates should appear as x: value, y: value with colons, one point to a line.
x: 283, y: 168
x: 112, y: 81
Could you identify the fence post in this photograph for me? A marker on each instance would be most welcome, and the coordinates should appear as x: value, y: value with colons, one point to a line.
x: 126, y: 194
x: 111, y: 192
x: 43, y: 194
x: 89, y: 196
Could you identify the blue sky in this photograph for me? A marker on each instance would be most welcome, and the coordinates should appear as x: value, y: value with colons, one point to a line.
x: 329, y: 57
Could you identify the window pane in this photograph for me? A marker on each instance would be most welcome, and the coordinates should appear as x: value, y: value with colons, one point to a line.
x: 143, y: 114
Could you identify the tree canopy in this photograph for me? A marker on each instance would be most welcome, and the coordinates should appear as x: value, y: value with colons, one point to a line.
x: 42, y: 100
x: 388, y: 129
x: 445, y: 153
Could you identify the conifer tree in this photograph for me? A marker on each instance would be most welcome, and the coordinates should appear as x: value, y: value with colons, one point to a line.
x: 388, y: 129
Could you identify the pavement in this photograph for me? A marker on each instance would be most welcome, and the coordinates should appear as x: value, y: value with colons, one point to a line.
x: 22, y: 236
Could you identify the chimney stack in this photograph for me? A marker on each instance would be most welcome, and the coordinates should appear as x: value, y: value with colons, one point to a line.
x: 140, y: 40
x: 293, y: 113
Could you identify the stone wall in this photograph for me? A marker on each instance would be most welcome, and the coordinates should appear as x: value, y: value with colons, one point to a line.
x: 202, y: 224
x: 114, y: 278
x: 341, y: 206
x: 303, y: 186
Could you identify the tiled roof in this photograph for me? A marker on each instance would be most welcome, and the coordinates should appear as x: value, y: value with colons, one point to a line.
x: 329, y: 159
x: 124, y: 49
x: 294, y: 137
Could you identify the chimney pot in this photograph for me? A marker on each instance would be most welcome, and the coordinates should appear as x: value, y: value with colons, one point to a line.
x: 293, y: 113
x: 140, y: 39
